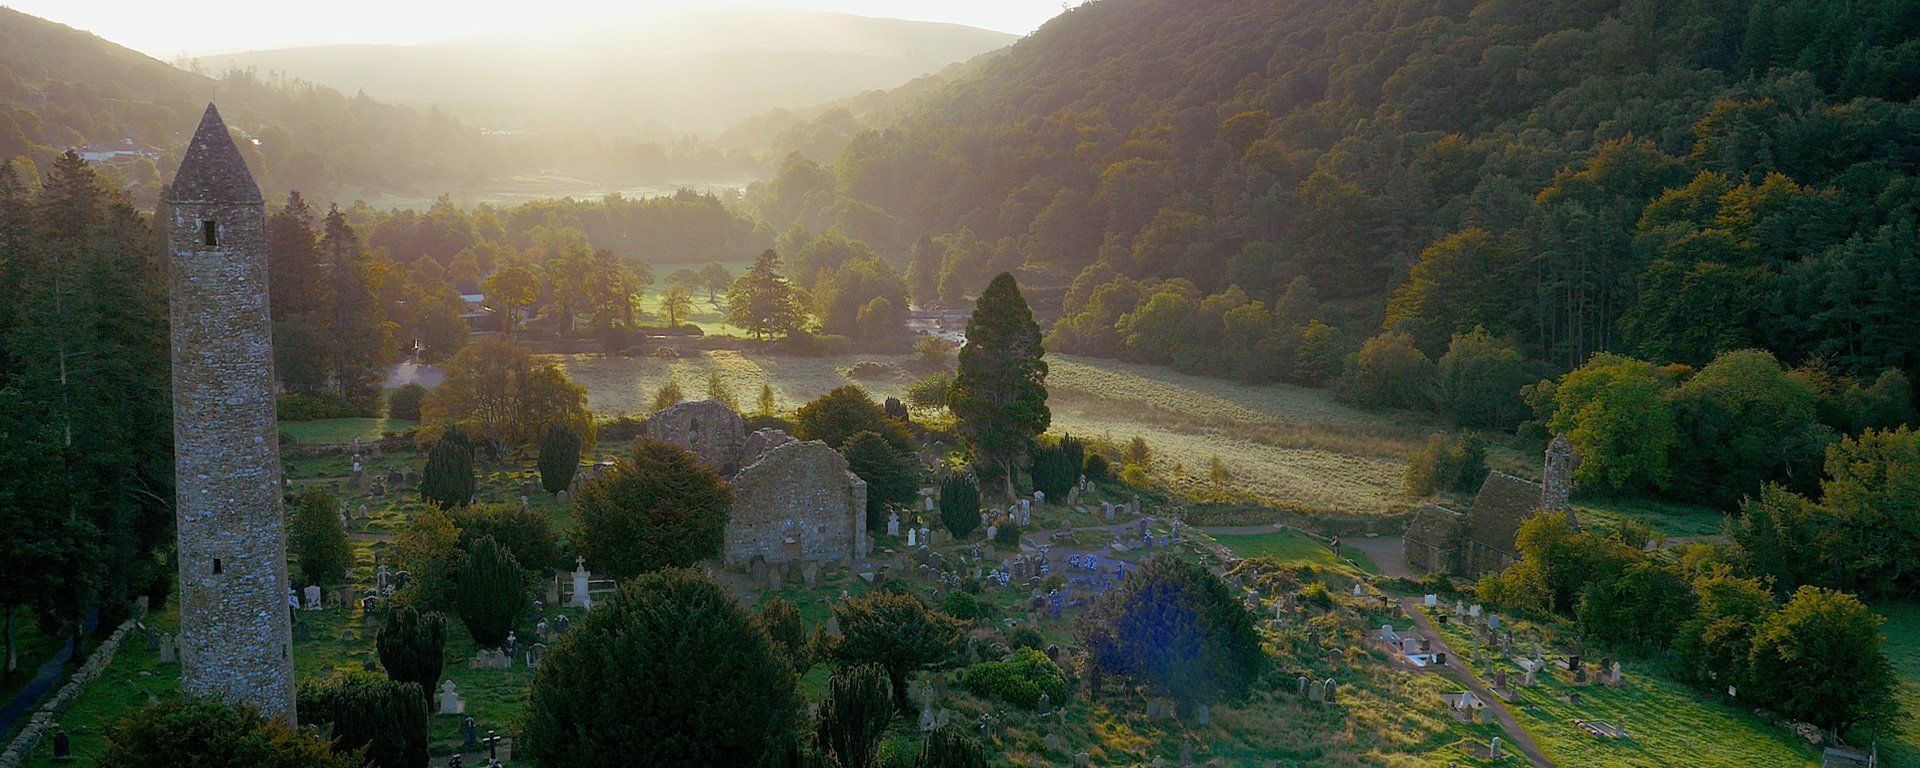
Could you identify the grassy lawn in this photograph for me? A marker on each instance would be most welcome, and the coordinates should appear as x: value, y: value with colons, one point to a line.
x: 1289, y: 446
x: 1667, y: 517
x: 1290, y: 546
x: 33, y: 649
x: 135, y: 678
x: 1668, y: 723
x: 342, y: 430
x: 1902, y: 631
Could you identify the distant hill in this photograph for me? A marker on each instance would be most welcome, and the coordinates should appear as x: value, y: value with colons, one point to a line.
x: 61, y: 87
x: 658, y: 76
x: 1669, y: 179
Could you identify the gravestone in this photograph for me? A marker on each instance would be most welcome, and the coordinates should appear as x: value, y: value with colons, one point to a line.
x: 893, y: 524
x: 450, y: 703
x: 1053, y: 743
x: 169, y: 649
x: 1045, y: 707
x: 1202, y: 714
x: 581, y: 579
x: 313, y: 598
x: 1317, y: 692
x: 469, y: 734
x: 1331, y: 693
x: 1303, y: 686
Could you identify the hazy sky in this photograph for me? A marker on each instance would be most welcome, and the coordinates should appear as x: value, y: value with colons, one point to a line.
x: 165, y: 29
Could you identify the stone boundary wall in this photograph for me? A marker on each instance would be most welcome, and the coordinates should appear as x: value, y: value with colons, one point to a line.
x: 42, y: 721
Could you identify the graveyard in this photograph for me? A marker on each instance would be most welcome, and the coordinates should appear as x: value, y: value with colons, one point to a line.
x: 1339, y: 693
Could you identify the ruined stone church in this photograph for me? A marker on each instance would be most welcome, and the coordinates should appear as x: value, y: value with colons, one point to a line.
x: 794, y: 502
x: 1481, y: 540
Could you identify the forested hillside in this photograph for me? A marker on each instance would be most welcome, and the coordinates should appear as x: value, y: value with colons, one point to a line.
x: 1251, y: 188
x: 62, y: 88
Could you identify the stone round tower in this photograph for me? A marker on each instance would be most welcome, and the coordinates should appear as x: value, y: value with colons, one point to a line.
x: 236, y: 638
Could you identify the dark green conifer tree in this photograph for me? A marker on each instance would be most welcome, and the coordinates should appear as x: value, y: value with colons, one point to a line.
x: 1000, y: 393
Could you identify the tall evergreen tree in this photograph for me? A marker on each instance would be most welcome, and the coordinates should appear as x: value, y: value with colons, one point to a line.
x: 413, y: 647
x: 857, y: 708
x: 1000, y: 392
x: 84, y: 378
x: 356, y: 326
x: 297, y: 294
x: 559, y: 457
x: 448, y: 478
x: 492, y: 593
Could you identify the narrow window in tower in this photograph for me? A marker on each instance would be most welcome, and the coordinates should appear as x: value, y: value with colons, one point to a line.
x: 216, y: 566
x: 210, y: 232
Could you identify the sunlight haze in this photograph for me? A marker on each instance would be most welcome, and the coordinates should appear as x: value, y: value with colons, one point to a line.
x: 168, y: 30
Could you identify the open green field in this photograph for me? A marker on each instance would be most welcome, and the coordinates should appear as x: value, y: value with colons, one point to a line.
x: 1902, y: 631
x: 342, y: 430
x: 1289, y: 546
x: 1289, y: 446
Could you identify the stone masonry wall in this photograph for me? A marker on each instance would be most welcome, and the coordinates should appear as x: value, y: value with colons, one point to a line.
x: 799, y: 491
x: 707, y: 427
x: 235, y: 634
x: 43, y: 721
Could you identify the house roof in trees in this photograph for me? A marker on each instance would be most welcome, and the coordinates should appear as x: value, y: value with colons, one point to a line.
x: 1503, y: 504
x: 213, y: 171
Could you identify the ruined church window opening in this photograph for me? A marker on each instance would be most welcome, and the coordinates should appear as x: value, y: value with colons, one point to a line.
x: 216, y: 566
x: 210, y: 232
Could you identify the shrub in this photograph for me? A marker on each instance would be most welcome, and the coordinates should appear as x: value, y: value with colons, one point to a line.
x: 667, y: 396
x: 1054, y: 472
x: 387, y: 718
x: 951, y: 747
x: 316, y: 538
x: 1019, y: 680
x: 559, y: 458
x: 404, y: 403
x: 293, y: 407
x: 527, y: 534
x: 930, y: 353
x: 930, y: 392
x: 448, y: 479
x: 1007, y: 535
x: 896, y: 410
x: 669, y: 672
x: 780, y: 619
x: 960, y: 505
x: 205, y: 733
x: 1178, y: 628
x: 492, y: 593
x: 1097, y: 469
x: 844, y: 412
x: 868, y: 370
x: 1024, y: 636
x: 896, y: 632
x: 960, y: 605
x: 412, y: 647
x: 1454, y: 463
x: 853, y: 715
x: 659, y: 507
x: 1315, y: 594
x: 1135, y: 476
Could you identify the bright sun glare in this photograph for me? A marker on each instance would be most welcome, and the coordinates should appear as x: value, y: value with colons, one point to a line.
x: 201, y: 27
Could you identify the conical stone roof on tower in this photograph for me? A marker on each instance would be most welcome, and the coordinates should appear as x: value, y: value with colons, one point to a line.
x: 213, y: 171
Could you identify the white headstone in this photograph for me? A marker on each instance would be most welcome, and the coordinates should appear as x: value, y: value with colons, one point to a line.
x: 313, y: 597
x: 581, y: 577
x: 912, y: 535
x: 893, y: 524
x: 1432, y: 600
x: 450, y: 703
